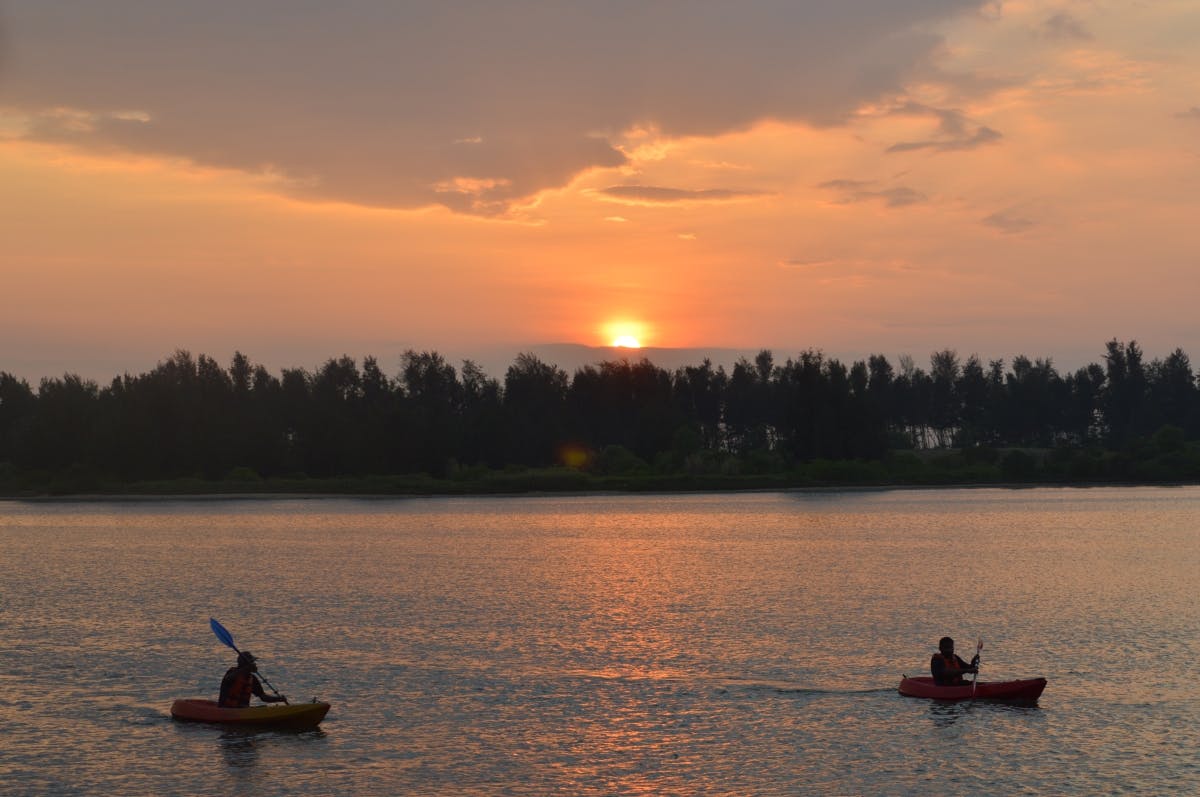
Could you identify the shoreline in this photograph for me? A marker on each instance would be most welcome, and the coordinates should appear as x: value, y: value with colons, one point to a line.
x: 215, y: 496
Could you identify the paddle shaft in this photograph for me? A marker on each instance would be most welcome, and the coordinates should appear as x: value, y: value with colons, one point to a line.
x: 263, y: 678
x: 975, y: 680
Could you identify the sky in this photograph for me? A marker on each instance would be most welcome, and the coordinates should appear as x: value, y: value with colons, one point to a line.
x: 298, y: 180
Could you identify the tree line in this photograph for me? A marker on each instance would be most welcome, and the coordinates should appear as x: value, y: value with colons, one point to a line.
x: 191, y: 417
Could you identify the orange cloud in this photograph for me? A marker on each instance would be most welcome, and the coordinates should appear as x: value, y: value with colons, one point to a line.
x: 658, y: 195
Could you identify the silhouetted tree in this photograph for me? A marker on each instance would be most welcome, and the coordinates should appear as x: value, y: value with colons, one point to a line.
x: 268, y: 445
x: 881, y: 393
x: 1125, y: 392
x: 699, y: 395
x: 807, y: 410
x: 866, y: 427
x: 483, y: 441
x: 295, y: 409
x: 433, y: 409
x: 535, y: 403
x: 1172, y: 395
x: 913, y: 392
x: 18, y: 406
x: 1083, y: 415
x: 335, y: 433
x: 977, y: 426
x: 945, y: 410
x: 378, y: 420
x: 62, y: 433
x: 1036, y: 400
x: 751, y: 412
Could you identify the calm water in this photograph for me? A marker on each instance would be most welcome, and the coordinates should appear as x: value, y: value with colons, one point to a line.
x: 745, y: 644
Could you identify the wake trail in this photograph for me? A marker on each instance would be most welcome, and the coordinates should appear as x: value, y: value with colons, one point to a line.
x: 791, y: 688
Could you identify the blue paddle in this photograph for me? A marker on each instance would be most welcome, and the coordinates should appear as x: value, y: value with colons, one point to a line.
x: 227, y: 638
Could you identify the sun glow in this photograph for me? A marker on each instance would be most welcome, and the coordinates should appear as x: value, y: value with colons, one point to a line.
x: 625, y: 334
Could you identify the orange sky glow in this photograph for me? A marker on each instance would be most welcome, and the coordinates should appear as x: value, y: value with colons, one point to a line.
x: 999, y: 178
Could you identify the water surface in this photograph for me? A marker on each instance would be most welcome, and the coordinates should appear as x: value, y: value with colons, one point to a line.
x: 686, y: 644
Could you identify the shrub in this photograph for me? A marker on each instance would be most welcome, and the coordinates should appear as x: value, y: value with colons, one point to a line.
x: 1018, y: 465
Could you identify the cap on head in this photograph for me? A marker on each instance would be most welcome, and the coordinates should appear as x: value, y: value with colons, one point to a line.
x: 245, y: 657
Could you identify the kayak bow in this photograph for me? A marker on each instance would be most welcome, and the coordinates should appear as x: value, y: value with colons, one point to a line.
x: 297, y: 716
x: 1028, y: 689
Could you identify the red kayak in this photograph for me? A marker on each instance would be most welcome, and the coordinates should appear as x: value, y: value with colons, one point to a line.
x: 297, y: 716
x: 1029, y: 689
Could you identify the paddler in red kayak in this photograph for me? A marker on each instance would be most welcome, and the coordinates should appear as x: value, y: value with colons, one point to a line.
x: 948, y: 669
x: 240, y: 683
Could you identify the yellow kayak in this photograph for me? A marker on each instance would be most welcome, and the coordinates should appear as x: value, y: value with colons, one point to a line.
x: 297, y: 716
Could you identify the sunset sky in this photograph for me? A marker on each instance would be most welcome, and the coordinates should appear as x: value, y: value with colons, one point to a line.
x: 299, y: 180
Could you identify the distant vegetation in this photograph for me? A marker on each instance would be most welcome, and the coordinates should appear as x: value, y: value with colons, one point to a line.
x: 193, y: 426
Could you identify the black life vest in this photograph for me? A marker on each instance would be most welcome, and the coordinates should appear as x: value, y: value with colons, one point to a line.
x: 236, y: 688
x: 951, y: 674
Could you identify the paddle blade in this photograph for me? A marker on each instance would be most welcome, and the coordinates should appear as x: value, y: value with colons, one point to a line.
x: 221, y: 633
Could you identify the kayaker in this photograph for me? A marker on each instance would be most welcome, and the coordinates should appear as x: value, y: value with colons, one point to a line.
x: 947, y: 668
x: 240, y: 683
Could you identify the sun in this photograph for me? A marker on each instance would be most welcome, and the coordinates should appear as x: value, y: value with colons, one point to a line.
x: 624, y: 333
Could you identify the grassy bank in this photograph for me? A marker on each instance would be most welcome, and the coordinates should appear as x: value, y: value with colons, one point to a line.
x: 971, y: 467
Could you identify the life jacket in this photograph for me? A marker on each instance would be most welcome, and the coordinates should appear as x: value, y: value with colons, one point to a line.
x: 952, y: 673
x: 236, y: 688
